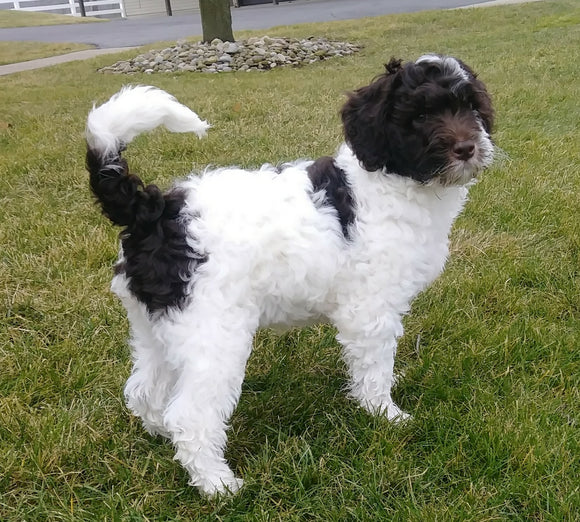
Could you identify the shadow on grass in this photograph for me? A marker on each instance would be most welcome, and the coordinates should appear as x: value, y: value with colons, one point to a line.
x: 296, y: 389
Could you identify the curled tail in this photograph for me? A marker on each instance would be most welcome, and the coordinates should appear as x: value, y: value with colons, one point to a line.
x: 124, y: 198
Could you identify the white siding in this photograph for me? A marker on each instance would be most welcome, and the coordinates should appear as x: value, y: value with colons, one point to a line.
x: 157, y: 7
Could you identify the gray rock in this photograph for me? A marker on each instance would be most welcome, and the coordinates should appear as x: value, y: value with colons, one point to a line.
x: 231, y: 48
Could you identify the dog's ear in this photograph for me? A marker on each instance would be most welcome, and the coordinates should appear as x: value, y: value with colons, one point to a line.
x: 394, y: 66
x: 483, y: 105
x: 481, y: 99
x: 365, y: 117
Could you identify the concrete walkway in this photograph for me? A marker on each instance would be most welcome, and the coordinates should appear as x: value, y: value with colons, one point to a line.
x: 55, y: 60
x: 120, y: 35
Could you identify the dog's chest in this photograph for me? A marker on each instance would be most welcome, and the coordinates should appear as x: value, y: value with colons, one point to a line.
x: 400, y: 243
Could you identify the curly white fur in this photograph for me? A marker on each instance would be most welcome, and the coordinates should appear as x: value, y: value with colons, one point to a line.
x: 275, y: 258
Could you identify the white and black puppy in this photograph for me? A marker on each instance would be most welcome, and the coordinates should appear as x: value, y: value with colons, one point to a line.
x: 349, y: 239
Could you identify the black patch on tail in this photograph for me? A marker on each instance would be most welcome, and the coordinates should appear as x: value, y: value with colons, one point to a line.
x: 158, y: 261
x: 123, y: 197
x: 325, y: 175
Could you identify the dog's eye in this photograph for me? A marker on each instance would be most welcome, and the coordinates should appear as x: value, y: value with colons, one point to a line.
x: 422, y: 116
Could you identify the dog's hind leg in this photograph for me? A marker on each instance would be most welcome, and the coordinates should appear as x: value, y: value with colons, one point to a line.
x: 148, y: 386
x: 208, y: 349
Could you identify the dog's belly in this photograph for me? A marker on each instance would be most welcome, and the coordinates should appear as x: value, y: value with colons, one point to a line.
x: 281, y: 313
x: 293, y: 288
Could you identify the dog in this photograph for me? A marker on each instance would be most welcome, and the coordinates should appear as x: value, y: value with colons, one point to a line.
x: 349, y: 239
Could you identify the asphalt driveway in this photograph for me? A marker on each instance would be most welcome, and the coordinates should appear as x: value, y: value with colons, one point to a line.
x: 143, y: 30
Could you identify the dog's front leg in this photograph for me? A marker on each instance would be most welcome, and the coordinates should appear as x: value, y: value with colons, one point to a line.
x: 369, y: 348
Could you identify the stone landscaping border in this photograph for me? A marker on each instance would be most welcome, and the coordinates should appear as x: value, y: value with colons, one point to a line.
x: 253, y: 54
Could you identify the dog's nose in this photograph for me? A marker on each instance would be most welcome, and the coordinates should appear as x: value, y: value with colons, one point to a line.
x: 464, y: 150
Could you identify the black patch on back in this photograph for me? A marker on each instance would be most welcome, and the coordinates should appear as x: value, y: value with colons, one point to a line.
x: 325, y: 175
x: 159, y: 263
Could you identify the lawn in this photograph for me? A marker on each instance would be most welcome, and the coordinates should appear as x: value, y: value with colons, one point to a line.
x: 10, y: 18
x: 489, y: 361
x: 12, y: 52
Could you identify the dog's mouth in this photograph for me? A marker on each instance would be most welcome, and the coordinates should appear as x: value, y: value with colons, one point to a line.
x: 459, y: 173
x: 465, y: 162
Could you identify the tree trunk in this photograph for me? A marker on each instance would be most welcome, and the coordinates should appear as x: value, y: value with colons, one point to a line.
x: 216, y: 20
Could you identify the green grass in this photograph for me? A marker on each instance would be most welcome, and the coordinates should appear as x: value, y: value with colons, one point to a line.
x: 490, y: 354
x: 11, y: 52
x: 9, y: 18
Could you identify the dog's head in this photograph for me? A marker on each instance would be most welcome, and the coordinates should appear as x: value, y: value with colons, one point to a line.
x: 429, y: 120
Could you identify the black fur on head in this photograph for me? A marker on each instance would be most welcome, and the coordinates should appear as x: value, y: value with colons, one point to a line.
x: 420, y: 119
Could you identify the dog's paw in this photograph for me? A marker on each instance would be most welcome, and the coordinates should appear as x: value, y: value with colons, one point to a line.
x: 389, y: 410
x: 225, y: 486
x: 397, y: 416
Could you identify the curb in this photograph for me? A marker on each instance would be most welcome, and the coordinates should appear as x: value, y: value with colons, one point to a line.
x: 494, y: 3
